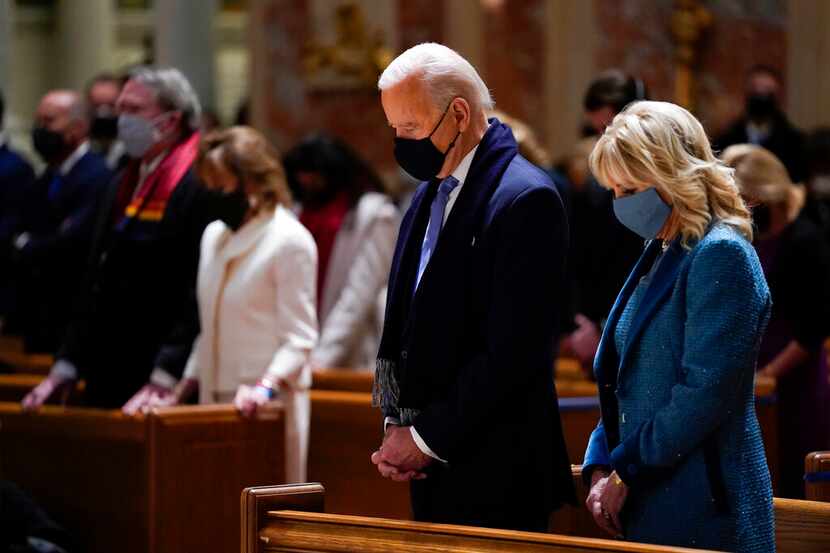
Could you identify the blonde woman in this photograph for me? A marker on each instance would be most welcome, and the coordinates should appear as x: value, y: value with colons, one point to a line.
x: 796, y: 262
x: 256, y: 292
x: 677, y: 457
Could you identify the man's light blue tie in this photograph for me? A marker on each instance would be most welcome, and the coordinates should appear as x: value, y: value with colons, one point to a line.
x: 436, y: 221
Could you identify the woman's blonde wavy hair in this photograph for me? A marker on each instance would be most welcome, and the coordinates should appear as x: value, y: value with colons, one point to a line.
x: 662, y: 145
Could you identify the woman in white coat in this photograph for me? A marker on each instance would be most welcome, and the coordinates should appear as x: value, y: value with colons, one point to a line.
x: 256, y: 292
x: 355, y: 227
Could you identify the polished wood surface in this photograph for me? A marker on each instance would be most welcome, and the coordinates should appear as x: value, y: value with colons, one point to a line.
x: 287, y: 518
x: 165, y: 482
x: 817, y: 476
x: 345, y: 430
x: 802, y: 526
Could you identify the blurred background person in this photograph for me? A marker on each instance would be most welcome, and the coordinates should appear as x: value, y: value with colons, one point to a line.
x: 601, y: 251
x: 101, y: 95
x: 796, y: 262
x: 138, y: 318
x: 52, y: 250
x: 817, y: 206
x: 355, y: 225
x: 16, y: 178
x: 764, y: 123
x: 256, y: 292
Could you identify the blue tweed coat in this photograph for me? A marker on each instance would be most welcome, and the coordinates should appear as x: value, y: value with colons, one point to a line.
x: 678, y: 412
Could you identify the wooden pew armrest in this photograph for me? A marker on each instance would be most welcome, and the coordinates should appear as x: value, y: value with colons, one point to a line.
x: 258, y: 501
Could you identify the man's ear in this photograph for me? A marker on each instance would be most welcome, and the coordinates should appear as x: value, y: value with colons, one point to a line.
x: 461, y: 113
x: 174, y: 121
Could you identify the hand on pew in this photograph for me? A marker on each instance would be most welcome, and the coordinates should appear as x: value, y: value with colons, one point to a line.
x: 153, y: 395
x: 606, y: 500
x: 149, y: 396
x: 53, y: 389
x: 398, y: 457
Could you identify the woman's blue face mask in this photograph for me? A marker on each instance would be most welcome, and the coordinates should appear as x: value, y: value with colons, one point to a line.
x: 644, y: 212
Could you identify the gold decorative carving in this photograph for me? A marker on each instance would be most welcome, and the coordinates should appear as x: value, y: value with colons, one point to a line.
x: 689, y: 22
x: 355, y: 59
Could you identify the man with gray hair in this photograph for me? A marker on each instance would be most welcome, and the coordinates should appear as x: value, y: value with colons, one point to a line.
x: 464, y: 374
x: 133, y: 331
x: 57, y: 215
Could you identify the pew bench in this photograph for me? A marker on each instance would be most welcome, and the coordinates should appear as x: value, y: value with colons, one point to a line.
x: 817, y: 476
x: 290, y: 519
x: 168, y: 482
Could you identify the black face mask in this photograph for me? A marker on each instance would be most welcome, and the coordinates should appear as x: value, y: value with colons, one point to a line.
x: 761, y: 107
x: 419, y: 157
x: 48, y: 144
x: 232, y: 207
x: 104, y: 127
x: 761, y: 218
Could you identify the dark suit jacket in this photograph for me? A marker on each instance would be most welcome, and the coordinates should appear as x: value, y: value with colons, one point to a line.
x: 472, y: 352
x: 785, y: 141
x: 51, y: 265
x: 16, y: 178
x: 139, y: 310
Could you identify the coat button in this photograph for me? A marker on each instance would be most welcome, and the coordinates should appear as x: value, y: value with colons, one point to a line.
x: 403, y: 355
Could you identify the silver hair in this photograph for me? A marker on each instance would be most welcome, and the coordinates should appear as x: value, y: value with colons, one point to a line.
x: 173, y: 92
x: 443, y: 71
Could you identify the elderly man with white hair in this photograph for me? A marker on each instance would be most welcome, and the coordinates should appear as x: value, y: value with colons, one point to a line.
x: 136, y: 324
x: 464, y: 374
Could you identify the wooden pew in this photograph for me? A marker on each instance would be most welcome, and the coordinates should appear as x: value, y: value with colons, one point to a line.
x: 817, y: 476
x: 290, y: 518
x: 167, y: 482
x: 346, y: 429
x: 14, y: 387
x: 30, y: 363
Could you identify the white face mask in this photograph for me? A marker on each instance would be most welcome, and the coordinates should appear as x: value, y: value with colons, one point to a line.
x: 138, y: 134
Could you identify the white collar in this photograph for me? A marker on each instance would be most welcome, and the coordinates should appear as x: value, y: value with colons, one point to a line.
x: 460, y: 172
x: 148, y: 167
x: 74, y: 158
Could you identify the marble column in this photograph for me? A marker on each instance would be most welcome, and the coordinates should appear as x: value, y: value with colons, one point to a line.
x: 569, y: 67
x: 808, y: 63
x: 185, y: 40
x: 85, y: 40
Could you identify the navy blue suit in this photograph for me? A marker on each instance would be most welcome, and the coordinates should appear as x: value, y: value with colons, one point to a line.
x: 59, y: 220
x: 16, y: 178
x: 470, y: 355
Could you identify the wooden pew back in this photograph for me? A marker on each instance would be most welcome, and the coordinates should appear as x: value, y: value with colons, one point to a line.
x: 288, y: 518
x: 817, y: 476
x: 142, y: 484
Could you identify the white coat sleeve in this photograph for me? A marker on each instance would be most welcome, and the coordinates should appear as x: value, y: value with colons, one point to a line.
x: 295, y: 270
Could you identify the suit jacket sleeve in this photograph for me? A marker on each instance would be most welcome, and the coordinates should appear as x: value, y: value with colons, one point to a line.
x: 192, y: 212
x: 358, y: 299
x: 727, y: 306
x: 530, y: 244
x: 295, y: 273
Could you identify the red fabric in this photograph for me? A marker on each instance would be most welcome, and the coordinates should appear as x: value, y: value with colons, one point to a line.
x: 323, y: 223
x: 162, y: 181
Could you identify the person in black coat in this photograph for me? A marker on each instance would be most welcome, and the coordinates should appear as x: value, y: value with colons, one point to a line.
x: 135, y: 327
x: 602, y: 251
x: 464, y: 371
x: 57, y: 219
x: 765, y: 124
x: 16, y: 178
x: 796, y: 262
